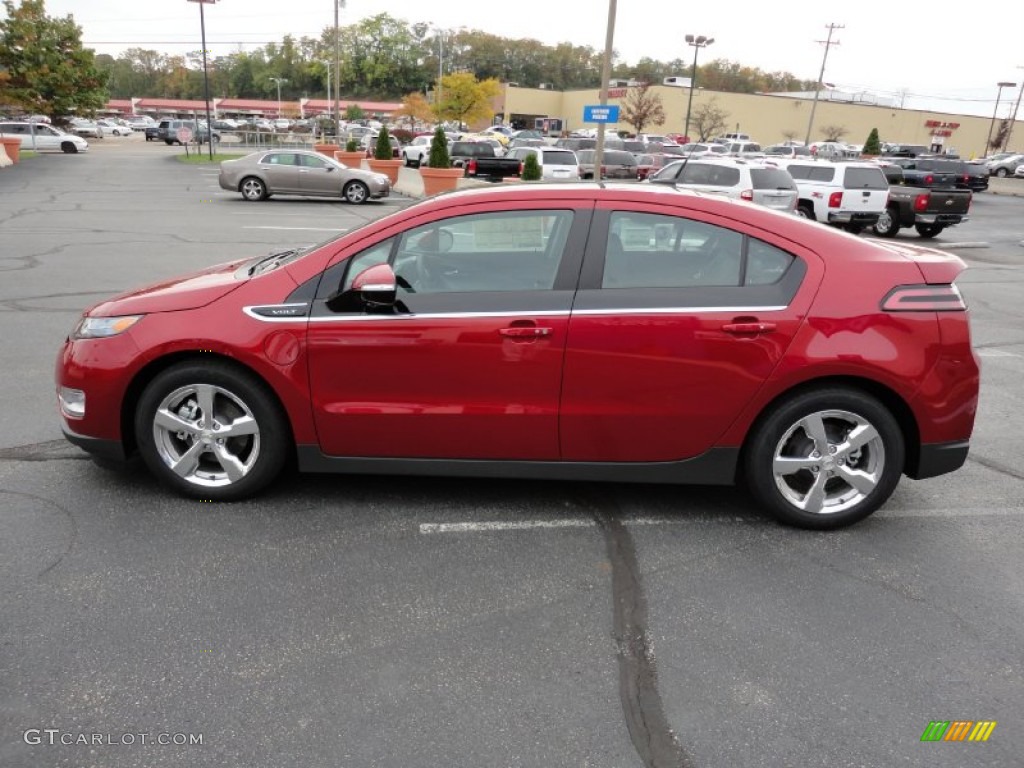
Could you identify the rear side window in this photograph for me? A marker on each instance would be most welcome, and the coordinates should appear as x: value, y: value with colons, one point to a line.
x: 865, y: 178
x: 619, y: 158
x: 771, y: 178
x: 812, y: 172
x: 710, y: 175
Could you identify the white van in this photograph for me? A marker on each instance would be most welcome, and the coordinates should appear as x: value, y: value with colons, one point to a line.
x: 43, y: 137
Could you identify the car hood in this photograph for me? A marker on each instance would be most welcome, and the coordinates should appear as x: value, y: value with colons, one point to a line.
x: 179, y: 293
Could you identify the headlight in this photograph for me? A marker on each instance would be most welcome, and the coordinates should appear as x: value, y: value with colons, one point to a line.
x: 103, y: 327
x: 383, y: 179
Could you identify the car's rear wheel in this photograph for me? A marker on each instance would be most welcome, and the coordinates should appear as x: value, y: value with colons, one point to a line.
x: 825, y: 458
x: 887, y: 225
x: 68, y: 147
x: 356, y: 192
x: 211, y: 431
x: 805, y: 211
x: 253, y: 189
x: 854, y: 229
x: 928, y: 231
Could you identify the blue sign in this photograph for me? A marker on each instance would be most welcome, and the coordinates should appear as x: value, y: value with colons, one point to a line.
x: 600, y: 113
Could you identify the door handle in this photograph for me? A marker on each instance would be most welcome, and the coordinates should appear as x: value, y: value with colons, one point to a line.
x: 750, y: 327
x: 525, y: 331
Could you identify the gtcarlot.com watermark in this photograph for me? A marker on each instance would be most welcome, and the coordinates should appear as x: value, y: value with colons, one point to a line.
x: 56, y: 737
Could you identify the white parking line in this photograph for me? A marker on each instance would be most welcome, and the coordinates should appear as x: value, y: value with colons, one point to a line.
x: 995, y: 353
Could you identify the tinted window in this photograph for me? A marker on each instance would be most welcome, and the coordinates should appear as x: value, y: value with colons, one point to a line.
x: 771, y: 178
x: 766, y: 264
x: 653, y: 251
x: 710, y: 175
x: 616, y: 157
x: 506, y: 251
x: 812, y: 172
x: 311, y: 162
x: 558, y: 158
x: 865, y: 178
x: 669, y: 172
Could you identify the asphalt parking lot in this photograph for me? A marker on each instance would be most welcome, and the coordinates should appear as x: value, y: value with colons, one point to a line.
x: 389, y: 621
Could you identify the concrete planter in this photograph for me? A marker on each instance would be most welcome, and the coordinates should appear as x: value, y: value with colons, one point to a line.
x: 388, y: 167
x: 326, y: 149
x: 439, y: 179
x: 12, y: 147
x: 351, y: 159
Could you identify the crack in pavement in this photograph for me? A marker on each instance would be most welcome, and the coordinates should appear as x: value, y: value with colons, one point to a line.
x: 51, y: 450
x: 644, y: 711
x: 71, y: 519
x: 996, y: 466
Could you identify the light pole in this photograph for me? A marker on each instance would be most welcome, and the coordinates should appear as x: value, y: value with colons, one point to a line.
x: 279, y: 80
x: 338, y: 4
x: 697, y: 42
x: 999, y: 94
x: 206, y: 78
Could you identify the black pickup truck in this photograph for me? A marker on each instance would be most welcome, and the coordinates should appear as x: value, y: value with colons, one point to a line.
x: 927, y: 201
x: 479, y: 160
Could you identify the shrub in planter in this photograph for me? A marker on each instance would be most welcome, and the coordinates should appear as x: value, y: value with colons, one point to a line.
x: 531, y: 168
x: 351, y: 145
x: 383, y: 149
x: 438, y: 175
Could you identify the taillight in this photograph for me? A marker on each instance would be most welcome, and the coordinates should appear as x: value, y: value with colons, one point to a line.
x: 747, y: 194
x: 967, y: 180
x: 929, y: 180
x: 522, y: 167
x: 924, y: 298
x: 471, y: 168
x: 835, y: 200
x: 921, y: 203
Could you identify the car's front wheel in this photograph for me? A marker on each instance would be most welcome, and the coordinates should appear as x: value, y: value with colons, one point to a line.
x: 1002, y: 173
x: 211, y: 431
x: 356, y: 192
x: 887, y: 224
x: 253, y: 189
x: 825, y: 458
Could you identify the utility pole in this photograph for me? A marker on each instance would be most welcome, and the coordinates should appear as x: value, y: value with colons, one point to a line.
x: 606, y: 74
x: 1009, y: 130
x: 338, y: 4
x: 821, y: 76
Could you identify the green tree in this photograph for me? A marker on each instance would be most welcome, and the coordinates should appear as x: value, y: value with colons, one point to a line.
x: 466, y: 99
x: 354, y: 112
x: 531, y: 168
x: 641, y: 108
x: 439, y: 157
x: 48, y: 72
x: 873, y: 146
x: 383, y: 149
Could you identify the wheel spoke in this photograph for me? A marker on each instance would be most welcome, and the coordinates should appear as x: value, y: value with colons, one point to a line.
x: 232, y: 466
x: 243, y: 425
x: 815, y: 498
x: 859, y: 436
x: 204, y: 394
x: 861, y: 481
x: 814, y: 427
x: 189, y: 460
x: 172, y: 422
x: 788, y: 465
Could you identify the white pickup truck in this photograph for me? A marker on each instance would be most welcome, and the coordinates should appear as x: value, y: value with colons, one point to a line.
x: 847, y: 195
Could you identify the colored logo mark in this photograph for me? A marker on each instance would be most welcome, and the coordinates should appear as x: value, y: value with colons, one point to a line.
x: 958, y: 730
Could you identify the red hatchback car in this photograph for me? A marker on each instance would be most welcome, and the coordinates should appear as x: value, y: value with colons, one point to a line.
x: 579, y: 332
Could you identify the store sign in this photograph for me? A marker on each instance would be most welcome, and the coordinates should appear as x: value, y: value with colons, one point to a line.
x: 940, y: 124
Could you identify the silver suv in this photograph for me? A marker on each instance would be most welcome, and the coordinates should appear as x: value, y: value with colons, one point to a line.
x: 735, y: 178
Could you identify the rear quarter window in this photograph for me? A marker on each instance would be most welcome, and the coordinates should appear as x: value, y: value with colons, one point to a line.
x: 812, y: 172
x: 771, y: 178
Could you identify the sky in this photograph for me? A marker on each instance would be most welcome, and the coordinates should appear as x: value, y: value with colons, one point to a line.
x: 947, y: 57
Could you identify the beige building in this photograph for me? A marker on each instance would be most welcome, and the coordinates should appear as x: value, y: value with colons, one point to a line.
x: 769, y: 119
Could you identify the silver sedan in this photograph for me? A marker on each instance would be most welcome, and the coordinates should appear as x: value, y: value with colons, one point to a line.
x: 300, y: 172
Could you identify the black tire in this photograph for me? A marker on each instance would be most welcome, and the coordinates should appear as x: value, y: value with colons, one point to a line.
x: 888, y: 223
x: 239, y: 402
x: 169, y: 142
x: 817, y: 492
x: 805, y: 211
x: 356, y: 193
x: 253, y: 189
x: 928, y: 231
x: 854, y: 229
x: 68, y: 148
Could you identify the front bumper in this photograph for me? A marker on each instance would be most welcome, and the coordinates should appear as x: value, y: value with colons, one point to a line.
x: 101, y: 448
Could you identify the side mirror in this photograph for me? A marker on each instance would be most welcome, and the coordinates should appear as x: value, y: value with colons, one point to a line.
x: 376, y: 286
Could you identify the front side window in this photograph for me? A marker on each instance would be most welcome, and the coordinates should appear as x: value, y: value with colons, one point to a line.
x: 308, y: 161
x: 503, y: 251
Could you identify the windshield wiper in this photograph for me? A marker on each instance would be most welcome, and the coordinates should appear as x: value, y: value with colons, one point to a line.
x: 273, y: 260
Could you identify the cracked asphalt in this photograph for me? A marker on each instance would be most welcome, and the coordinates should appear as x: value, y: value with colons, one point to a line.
x: 334, y: 622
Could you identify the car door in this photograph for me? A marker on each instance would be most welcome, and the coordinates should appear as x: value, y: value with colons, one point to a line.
x: 468, y: 363
x: 677, y: 323
x: 318, y: 177
x: 281, y: 172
